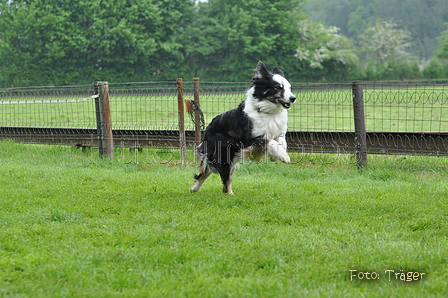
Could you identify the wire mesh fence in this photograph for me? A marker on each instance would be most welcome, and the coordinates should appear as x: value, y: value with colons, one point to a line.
x: 409, y: 119
x: 145, y: 106
x: 68, y: 106
x: 399, y: 118
x: 407, y: 108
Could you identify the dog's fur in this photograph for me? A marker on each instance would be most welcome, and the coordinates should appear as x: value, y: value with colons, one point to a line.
x: 255, y: 128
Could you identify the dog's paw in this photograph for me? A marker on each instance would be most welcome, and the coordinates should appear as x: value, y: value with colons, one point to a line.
x: 285, y: 158
x: 277, y: 151
x: 195, y: 187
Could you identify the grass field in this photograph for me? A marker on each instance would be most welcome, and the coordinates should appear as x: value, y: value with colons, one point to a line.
x: 407, y: 109
x: 75, y: 225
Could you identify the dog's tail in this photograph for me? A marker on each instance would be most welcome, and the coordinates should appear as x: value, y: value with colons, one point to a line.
x: 194, y: 110
x: 204, y: 167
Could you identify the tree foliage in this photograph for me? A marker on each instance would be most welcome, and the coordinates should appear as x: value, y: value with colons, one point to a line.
x: 424, y: 19
x: 319, y: 44
x: 442, y: 51
x: 385, y: 51
x: 59, y: 42
x: 383, y: 42
x: 63, y: 41
x: 437, y: 67
x: 228, y: 37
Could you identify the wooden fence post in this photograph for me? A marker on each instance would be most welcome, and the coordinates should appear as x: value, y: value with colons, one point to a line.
x: 181, y: 111
x: 197, y: 116
x: 104, y: 120
x: 360, y: 125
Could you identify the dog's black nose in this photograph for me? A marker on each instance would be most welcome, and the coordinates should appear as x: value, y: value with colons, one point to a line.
x: 292, y: 98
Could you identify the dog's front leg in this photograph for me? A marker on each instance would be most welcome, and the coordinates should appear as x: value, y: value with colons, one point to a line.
x: 278, y: 150
x: 282, y: 141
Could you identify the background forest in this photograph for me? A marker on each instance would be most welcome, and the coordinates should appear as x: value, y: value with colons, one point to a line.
x: 60, y: 42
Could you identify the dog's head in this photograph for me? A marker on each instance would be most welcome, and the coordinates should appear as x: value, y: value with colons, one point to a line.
x: 272, y: 87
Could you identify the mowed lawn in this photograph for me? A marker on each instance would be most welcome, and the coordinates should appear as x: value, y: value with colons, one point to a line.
x: 75, y: 225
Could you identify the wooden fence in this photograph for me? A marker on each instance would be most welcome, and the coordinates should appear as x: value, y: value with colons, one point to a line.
x: 385, y: 118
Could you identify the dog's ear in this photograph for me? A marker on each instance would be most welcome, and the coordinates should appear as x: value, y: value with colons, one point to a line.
x: 261, y: 71
x: 277, y: 70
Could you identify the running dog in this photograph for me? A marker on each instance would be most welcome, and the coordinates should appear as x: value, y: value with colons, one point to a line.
x: 255, y: 128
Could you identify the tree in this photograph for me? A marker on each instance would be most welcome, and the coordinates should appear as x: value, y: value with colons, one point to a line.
x: 437, y: 66
x: 424, y: 19
x: 383, y: 42
x: 436, y: 69
x: 229, y: 37
x: 384, y: 50
x: 331, y: 55
x: 64, y: 42
x: 331, y: 13
x: 442, y: 51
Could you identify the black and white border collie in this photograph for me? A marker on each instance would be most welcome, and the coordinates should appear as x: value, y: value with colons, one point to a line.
x: 255, y: 128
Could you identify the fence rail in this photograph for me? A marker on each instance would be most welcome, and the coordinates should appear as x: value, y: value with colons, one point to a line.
x: 392, y: 143
x: 329, y: 118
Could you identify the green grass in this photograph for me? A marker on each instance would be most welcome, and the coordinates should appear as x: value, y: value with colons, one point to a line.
x: 75, y: 225
x: 410, y: 109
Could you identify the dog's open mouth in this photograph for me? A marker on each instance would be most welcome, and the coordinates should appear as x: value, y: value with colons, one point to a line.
x: 286, y: 105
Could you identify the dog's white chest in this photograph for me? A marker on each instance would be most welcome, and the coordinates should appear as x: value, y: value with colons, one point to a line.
x: 269, y: 125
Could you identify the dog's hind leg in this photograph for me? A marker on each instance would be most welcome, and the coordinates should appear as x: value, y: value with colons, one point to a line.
x: 226, y: 174
x: 227, y: 183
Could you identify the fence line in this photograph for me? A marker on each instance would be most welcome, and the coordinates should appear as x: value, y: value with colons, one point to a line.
x: 398, y: 118
x: 49, y: 101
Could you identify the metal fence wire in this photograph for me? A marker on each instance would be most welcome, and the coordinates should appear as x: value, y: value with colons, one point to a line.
x: 399, y: 118
x: 69, y: 106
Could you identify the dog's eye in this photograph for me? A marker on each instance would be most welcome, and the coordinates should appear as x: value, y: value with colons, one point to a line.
x: 278, y: 87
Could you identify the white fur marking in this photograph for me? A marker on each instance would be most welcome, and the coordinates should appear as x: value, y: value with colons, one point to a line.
x: 197, y: 185
x: 286, y: 84
x: 276, y: 150
x: 269, y: 119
